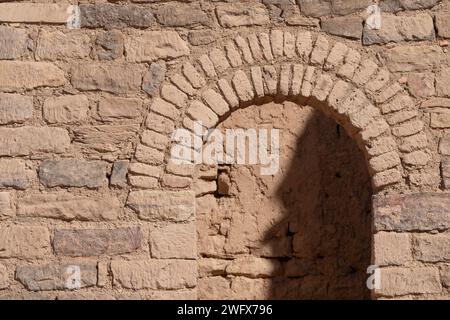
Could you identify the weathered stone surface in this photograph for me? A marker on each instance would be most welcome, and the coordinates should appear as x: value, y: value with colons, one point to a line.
x: 4, y: 277
x: 202, y: 37
x: 24, y: 242
x: 177, y: 206
x: 33, y: 140
x: 145, y: 170
x: 69, y: 207
x: 96, y: 242
x: 398, y: 5
x: 421, y: 85
x: 66, y: 109
x: 56, y: 45
x: 155, y: 140
x: 392, y: 248
x: 443, y: 24
x: 344, y: 7
x: 13, y: 173
x: 401, y: 28
x: 149, y: 155
x: 417, y: 211
x: 445, y: 275
x: 444, y: 145
x: 56, y: 276
x: 442, y: 80
x: 216, y: 288
x: 15, y: 108
x: 397, y: 281
x: 109, y: 45
x: 315, y: 8
x: 13, y: 42
x: 440, y: 120
x: 6, y: 205
x: 432, y: 247
x: 175, y: 240
x: 401, y: 116
x: 115, y: 108
x: 34, y: 12
x: 242, y: 14
x: 155, y: 274
x: 254, y: 267
x: 111, y: 16
x: 119, y: 173
x: 106, y: 138
x: 17, y: 75
x: 182, y: 15
x: 413, y: 58
x: 72, y: 173
x: 154, y: 77
x: 320, y: 8
x: 117, y: 78
x: 349, y: 27
x: 155, y: 45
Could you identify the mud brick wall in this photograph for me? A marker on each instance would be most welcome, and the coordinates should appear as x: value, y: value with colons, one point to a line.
x: 87, y: 113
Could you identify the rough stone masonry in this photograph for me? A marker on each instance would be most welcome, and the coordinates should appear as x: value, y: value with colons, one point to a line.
x: 86, y: 117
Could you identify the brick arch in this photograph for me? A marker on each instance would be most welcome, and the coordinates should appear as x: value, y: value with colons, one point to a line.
x: 363, y: 97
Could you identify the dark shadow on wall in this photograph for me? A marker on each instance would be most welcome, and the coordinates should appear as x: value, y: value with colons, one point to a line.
x: 327, y: 197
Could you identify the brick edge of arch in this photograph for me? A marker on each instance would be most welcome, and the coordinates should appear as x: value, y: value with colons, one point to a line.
x: 365, y: 98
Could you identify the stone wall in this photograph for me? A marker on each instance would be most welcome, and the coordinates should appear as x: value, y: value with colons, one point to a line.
x: 87, y: 114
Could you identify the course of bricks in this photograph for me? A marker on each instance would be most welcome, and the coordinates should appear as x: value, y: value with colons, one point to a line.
x: 87, y: 114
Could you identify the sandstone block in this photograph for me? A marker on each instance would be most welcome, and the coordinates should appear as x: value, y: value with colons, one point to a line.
x: 392, y: 248
x: 56, y: 276
x: 155, y: 45
x: 56, y: 45
x: 116, y: 108
x: 109, y: 45
x: 154, y: 77
x: 69, y: 207
x: 443, y: 25
x: 4, y: 277
x: 117, y: 78
x: 14, y: 174
x: 417, y: 211
x: 18, y: 75
x: 182, y: 15
x: 96, y: 242
x: 348, y: 27
x: 175, y: 240
x: 66, y: 109
x: 432, y: 247
x: 15, y: 108
x: 13, y: 42
x: 112, y: 16
x: 242, y: 14
x: 413, y: 58
x: 6, y: 205
x: 116, y: 139
x: 254, y: 267
x: 397, y: 281
x: 396, y: 29
x: 24, y: 242
x: 119, y: 173
x: 72, y: 173
x: 177, y: 206
x: 155, y: 274
x: 34, y: 12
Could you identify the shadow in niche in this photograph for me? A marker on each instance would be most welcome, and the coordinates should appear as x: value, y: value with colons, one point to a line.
x: 327, y: 197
